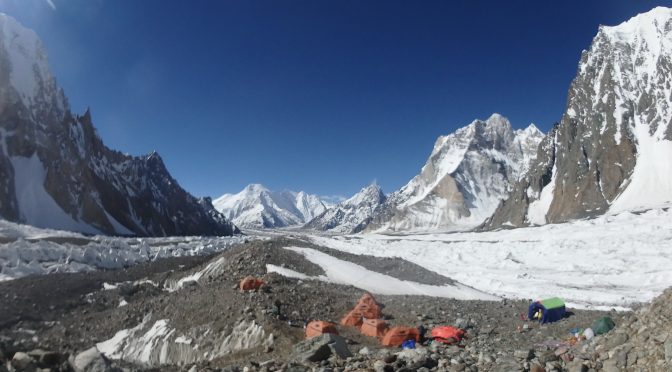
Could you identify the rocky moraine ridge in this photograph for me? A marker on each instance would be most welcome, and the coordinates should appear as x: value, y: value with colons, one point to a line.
x: 189, y: 314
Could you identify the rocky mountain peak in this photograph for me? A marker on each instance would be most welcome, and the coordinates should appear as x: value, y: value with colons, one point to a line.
x: 467, y: 174
x: 605, y: 154
x: 351, y: 215
x: 55, y: 171
x: 25, y: 68
x: 530, y: 131
x: 255, y: 188
x: 371, y: 194
x: 645, y: 27
x: 258, y: 207
x: 497, y: 123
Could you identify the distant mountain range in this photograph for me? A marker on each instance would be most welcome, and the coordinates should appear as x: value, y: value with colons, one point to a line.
x: 466, y: 176
x: 55, y: 171
x: 257, y: 207
x: 611, y: 151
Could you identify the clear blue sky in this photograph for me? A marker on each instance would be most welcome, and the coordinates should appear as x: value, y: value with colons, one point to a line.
x: 324, y: 96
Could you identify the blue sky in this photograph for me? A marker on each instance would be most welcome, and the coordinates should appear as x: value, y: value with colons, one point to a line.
x: 324, y: 96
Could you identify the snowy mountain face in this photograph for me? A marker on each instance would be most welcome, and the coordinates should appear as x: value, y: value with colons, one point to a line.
x: 55, y: 172
x: 611, y: 151
x: 466, y: 176
x: 351, y: 215
x: 257, y: 207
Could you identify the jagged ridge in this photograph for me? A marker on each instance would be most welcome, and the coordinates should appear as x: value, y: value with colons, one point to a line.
x: 56, y: 172
x: 351, y: 215
x: 611, y: 150
x: 465, y: 177
x: 258, y: 207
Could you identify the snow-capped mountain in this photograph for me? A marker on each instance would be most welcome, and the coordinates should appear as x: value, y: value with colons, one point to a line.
x: 55, y: 172
x: 351, y: 215
x: 258, y: 207
x: 466, y: 176
x: 612, y: 150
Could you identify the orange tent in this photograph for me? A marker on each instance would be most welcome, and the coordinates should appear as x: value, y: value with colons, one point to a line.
x: 319, y: 327
x: 374, y: 327
x: 368, y: 306
x: 369, y: 312
x: 447, y: 334
x: 397, y: 335
x: 250, y: 283
x: 354, y: 318
x: 367, y: 298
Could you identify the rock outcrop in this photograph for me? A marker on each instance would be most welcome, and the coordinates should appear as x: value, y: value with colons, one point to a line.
x: 611, y: 149
x: 55, y: 171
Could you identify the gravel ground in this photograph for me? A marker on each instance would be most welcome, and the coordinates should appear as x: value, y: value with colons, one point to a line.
x: 70, y: 313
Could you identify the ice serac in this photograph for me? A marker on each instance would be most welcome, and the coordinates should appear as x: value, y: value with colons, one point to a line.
x: 611, y: 150
x: 351, y: 215
x: 55, y: 172
x: 466, y: 176
x: 258, y: 207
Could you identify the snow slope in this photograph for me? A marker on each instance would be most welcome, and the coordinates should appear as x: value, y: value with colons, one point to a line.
x: 38, y: 208
x: 348, y: 273
x: 30, y: 67
x: 258, y: 207
x: 158, y: 343
x: 650, y: 35
x: 609, y: 261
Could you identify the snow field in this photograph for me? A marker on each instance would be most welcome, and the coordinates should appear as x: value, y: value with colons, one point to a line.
x: 609, y: 262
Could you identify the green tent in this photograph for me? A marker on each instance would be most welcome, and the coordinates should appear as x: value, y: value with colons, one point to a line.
x: 552, y: 310
x: 603, y: 325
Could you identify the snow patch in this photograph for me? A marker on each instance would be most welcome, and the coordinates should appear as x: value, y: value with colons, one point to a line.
x: 289, y: 273
x: 37, y: 207
x: 651, y: 180
x: 348, y: 273
x: 157, y: 345
x: 536, y: 213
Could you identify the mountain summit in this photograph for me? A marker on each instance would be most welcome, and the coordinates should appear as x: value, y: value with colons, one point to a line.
x: 351, y: 215
x: 55, y: 171
x: 464, y: 179
x: 611, y: 151
x: 258, y: 207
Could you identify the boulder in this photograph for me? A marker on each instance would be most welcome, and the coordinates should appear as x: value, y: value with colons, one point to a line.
x: 45, y: 358
x: 610, y: 365
x: 414, y: 357
x: 23, y: 362
x: 91, y: 360
x: 668, y: 351
x: 576, y: 366
x: 461, y: 323
x: 523, y: 354
x: 320, y: 348
x: 616, y: 339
